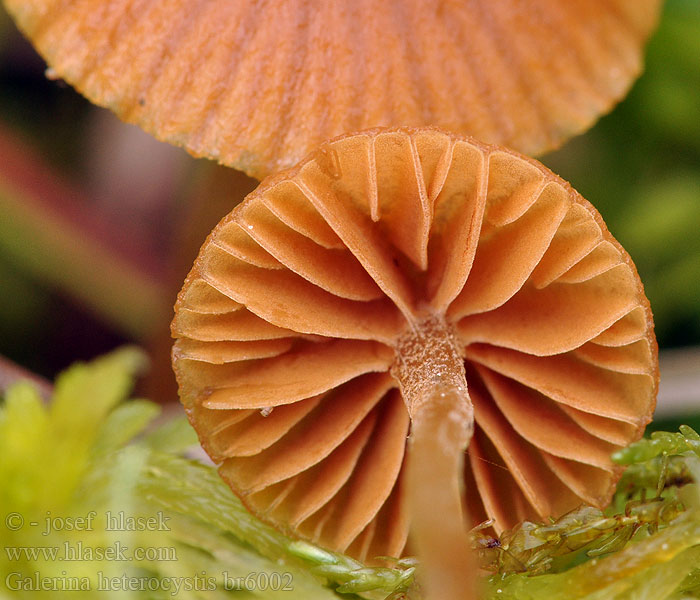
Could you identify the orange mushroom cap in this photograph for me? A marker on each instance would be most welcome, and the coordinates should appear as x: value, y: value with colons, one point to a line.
x: 318, y: 306
x: 257, y: 85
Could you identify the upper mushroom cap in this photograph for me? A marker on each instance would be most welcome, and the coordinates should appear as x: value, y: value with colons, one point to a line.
x: 257, y: 85
x: 292, y: 317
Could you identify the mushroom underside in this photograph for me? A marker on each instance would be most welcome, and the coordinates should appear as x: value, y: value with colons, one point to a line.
x: 294, y: 331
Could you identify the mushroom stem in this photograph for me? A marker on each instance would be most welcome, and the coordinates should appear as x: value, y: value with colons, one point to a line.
x: 430, y: 371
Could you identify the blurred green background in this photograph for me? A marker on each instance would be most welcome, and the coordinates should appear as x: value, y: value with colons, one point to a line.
x: 640, y: 166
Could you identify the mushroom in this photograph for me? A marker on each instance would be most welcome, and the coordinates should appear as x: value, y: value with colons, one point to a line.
x: 410, y: 282
x: 257, y: 85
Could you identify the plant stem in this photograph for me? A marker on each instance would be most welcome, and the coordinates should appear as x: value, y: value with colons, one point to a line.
x: 10, y: 373
x: 430, y: 371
